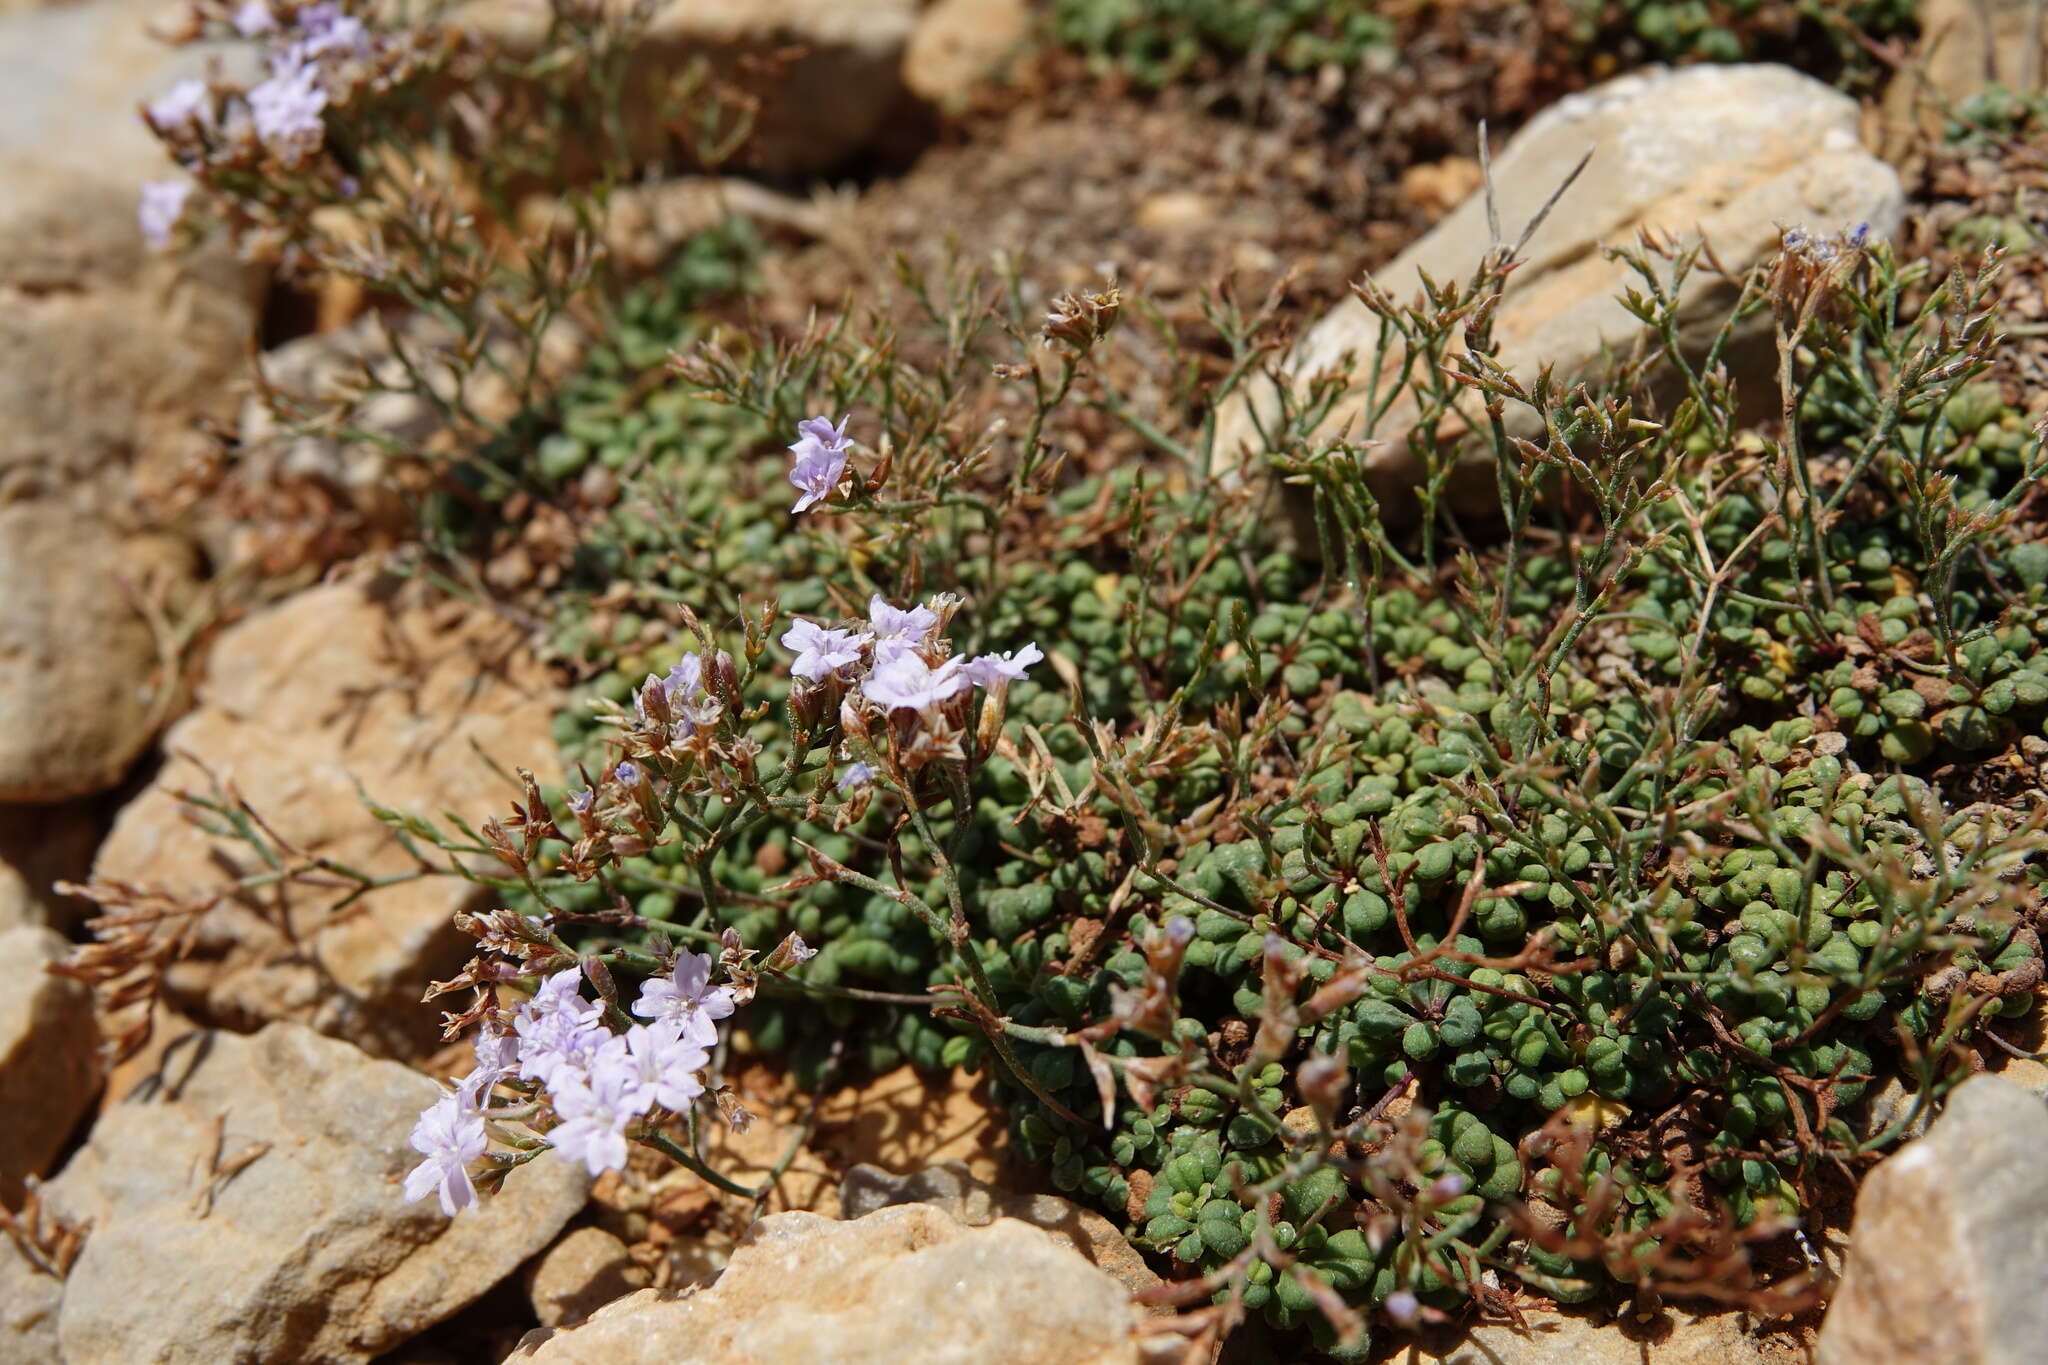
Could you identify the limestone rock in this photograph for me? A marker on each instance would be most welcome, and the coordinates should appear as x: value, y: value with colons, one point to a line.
x: 1673, y: 1337
x: 832, y: 101
x: 903, y: 1283
x: 958, y: 42
x: 109, y: 358
x: 108, y: 353
x: 28, y: 1309
x: 342, y: 685
x: 579, y: 1275
x: 78, y: 663
x: 49, y: 1055
x: 249, y: 1207
x: 1729, y: 153
x: 904, y: 1120
x: 948, y: 1186
x: 1948, y: 1240
x: 1967, y: 46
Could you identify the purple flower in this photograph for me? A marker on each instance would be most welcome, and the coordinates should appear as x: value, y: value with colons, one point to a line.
x: 553, y: 1047
x: 559, y: 1031
x: 820, y: 653
x: 254, y: 18
x: 820, y: 451
x: 907, y: 682
x: 497, y: 1056
x: 324, y: 29
x: 449, y: 1136
x: 690, y: 706
x: 899, y: 628
x: 800, y: 951
x: 628, y: 774
x: 595, y: 1108
x: 666, y: 1064
x: 162, y: 204
x: 687, y: 996
x: 581, y: 802
x: 685, y: 678
x: 989, y: 669
x: 859, y: 775
x: 562, y: 993
x: 186, y: 101
x: 496, y: 1049
x: 286, y: 110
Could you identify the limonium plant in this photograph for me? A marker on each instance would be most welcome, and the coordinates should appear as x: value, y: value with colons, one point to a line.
x: 884, y: 702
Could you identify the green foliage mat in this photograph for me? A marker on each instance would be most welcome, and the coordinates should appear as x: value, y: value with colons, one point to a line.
x: 1543, y: 904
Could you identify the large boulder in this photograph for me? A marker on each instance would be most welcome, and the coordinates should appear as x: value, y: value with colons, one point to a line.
x: 108, y: 353
x: 337, y: 693
x: 1948, y: 1242
x: 49, y: 1055
x: 1585, y: 1337
x: 580, y: 1274
x: 1967, y: 46
x: 1731, y: 154
x: 959, y: 42
x: 111, y: 358
x: 950, y: 1188
x: 827, y: 73
x: 247, y: 1205
x: 81, y: 671
x: 803, y: 1287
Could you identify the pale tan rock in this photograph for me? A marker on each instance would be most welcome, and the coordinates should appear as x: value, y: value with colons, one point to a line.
x: 79, y: 673
x: 49, y: 1055
x: 1673, y: 1337
x: 1587, y: 1338
x: 833, y: 100
x: 1176, y: 211
x: 904, y: 1120
x: 253, y: 1211
x: 903, y: 1284
x: 28, y: 1310
x: 110, y: 358
x: 1948, y: 1242
x: 959, y: 42
x: 334, y: 689
x: 1965, y: 46
x: 108, y: 353
x: 948, y: 1186
x: 1437, y: 187
x: 579, y: 1275
x: 1731, y: 154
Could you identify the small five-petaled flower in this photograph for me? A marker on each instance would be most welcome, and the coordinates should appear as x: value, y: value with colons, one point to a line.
x: 821, y: 449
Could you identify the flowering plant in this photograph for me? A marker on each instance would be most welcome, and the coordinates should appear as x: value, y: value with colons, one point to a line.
x: 559, y: 1052
x: 884, y: 705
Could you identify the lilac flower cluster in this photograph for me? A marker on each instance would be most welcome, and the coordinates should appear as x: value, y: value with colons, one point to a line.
x: 681, y: 702
x: 597, y: 1082
x: 319, y: 54
x: 899, y: 668
x: 821, y: 449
